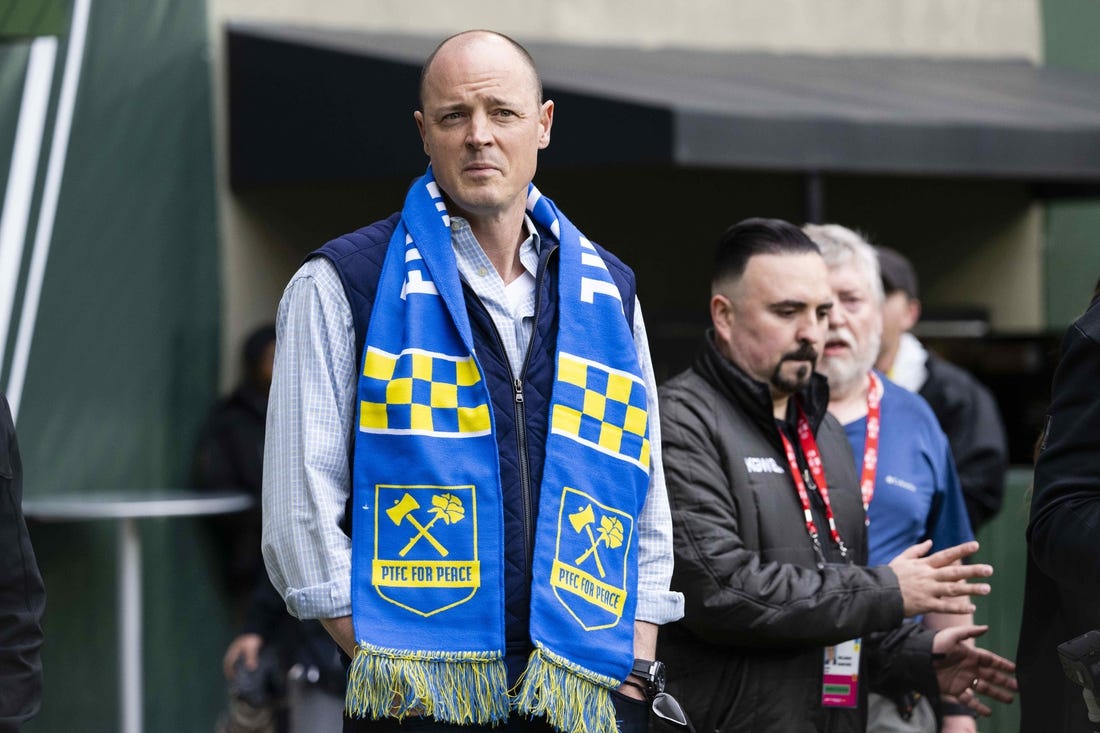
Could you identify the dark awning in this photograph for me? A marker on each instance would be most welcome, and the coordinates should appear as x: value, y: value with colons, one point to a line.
x: 323, y: 105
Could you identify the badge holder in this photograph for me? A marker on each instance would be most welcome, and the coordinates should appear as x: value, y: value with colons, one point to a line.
x: 840, y: 679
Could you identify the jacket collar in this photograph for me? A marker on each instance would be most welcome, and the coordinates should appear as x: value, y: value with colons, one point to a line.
x: 753, y: 397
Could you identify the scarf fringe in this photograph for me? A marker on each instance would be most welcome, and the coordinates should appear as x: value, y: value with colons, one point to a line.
x: 572, y: 699
x: 454, y: 687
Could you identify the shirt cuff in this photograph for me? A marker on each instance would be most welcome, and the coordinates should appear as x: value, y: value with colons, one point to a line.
x: 330, y: 600
x: 659, y: 607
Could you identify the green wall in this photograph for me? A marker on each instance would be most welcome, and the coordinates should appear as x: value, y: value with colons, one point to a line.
x: 1073, y: 227
x: 1003, y: 546
x: 20, y: 18
x: 123, y: 362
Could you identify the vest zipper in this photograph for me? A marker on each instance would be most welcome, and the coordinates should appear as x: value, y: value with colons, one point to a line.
x: 521, y: 420
x: 521, y: 413
x: 524, y: 465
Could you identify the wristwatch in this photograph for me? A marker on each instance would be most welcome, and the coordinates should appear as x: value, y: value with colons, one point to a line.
x: 652, y: 673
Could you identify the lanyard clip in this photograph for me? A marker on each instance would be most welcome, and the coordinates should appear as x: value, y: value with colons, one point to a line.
x: 815, y: 538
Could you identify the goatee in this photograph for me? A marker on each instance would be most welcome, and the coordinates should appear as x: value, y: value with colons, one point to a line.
x: 788, y: 385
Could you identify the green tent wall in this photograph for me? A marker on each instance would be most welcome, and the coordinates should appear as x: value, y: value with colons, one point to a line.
x: 123, y: 360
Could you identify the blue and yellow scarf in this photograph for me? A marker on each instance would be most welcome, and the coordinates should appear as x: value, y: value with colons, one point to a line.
x: 427, y: 538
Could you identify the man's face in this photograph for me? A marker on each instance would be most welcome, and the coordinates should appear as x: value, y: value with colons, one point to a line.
x: 482, y: 125
x: 899, y: 314
x: 855, y: 327
x: 771, y: 323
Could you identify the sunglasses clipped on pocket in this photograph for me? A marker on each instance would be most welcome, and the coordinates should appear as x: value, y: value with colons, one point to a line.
x: 668, y: 709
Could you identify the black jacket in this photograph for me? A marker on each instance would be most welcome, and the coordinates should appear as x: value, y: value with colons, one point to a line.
x: 230, y: 455
x: 1062, y: 590
x: 22, y: 595
x: 748, y: 654
x: 969, y: 417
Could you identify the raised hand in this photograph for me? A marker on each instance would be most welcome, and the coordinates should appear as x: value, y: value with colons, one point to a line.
x: 937, y: 583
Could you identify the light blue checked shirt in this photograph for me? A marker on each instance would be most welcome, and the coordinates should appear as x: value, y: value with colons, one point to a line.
x: 311, y: 423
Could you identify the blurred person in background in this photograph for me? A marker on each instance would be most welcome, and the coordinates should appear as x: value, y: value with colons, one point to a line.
x: 907, y: 476
x: 278, y: 669
x: 22, y: 595
x: 965, y: 408
x: 229, y: 456
x: 1062, y: 589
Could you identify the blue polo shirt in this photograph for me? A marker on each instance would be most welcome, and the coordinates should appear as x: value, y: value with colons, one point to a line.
x: 917, y: 490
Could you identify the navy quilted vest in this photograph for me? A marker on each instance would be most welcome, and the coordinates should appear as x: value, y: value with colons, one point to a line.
x: 520, y: 405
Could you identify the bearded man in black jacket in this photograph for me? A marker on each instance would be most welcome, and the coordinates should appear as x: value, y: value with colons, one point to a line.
x: 769, y: 527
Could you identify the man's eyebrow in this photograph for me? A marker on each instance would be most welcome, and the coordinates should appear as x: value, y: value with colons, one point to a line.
x: 788, y: 304
x: 449, y: 107
x: 459, y: 105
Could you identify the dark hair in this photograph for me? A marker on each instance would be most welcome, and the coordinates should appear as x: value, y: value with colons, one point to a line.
x: 750, y: 237
x: 523, y: 52
x: 255, y: 344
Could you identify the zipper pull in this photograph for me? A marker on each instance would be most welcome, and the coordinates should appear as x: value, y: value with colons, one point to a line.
x: 518, y: 387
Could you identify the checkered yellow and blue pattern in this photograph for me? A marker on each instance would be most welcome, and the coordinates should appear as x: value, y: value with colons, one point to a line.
x: 602, y: 408
x: 423, y: 393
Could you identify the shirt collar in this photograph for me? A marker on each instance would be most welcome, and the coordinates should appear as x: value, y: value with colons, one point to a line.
x: 529, y: 248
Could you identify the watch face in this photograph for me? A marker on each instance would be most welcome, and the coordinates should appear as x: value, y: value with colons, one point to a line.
x: 659, y: 676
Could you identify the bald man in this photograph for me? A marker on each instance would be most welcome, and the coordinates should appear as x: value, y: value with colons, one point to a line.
x: 462, y: 474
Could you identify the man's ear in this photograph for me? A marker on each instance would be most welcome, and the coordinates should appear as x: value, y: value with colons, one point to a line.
x: 721, y: 315
x: 912, y: 314
x: 419, y: 117
x: 546, y: 121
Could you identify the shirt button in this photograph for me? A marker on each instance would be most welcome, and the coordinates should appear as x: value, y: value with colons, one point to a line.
x: 482, y: 272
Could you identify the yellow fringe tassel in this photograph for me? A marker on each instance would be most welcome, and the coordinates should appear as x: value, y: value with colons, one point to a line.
x: 572, y: 699
x: 454, y: 687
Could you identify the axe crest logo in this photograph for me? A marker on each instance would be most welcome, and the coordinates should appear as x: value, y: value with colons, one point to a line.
x: 425, y: 546
x: 589, y: 571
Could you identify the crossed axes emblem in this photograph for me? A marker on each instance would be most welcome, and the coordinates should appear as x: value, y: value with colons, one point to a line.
x: 447, y: 507
x: 610, y: 534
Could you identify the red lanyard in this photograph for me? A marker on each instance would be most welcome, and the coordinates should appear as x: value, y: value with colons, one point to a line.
x: 813, y: 460
x: 870, y: 447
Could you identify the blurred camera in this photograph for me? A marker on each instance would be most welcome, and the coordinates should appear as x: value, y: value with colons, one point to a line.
x: 257, y: 687
x: 1081, y: 660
